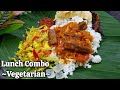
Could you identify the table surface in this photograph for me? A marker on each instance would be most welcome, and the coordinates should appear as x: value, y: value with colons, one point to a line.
x: 115, y: 14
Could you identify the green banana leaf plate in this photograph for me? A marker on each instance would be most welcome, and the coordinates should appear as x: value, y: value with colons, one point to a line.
x: 109, y: 68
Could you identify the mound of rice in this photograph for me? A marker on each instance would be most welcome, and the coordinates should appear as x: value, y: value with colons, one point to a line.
x: 63, y: 70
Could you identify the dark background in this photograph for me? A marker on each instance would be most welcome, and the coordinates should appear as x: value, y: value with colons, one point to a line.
x: 115, y: 14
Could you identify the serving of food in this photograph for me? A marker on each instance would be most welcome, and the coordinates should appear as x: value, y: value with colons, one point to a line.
x: 68, y: 41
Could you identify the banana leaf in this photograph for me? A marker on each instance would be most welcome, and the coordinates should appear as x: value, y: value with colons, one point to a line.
x: 10, y: 28
x: 109, y: 68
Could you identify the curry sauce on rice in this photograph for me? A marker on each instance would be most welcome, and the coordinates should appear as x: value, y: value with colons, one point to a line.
x: 72, y: 41
x: 68, y: 41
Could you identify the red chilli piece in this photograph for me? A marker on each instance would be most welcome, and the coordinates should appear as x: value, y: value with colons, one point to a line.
x: 35, y: 54
x: 47, y: 52
x: 35, y: 37
x: 43, y: 31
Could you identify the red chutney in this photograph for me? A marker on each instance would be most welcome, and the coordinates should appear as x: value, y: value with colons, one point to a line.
x: 46, y: 21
